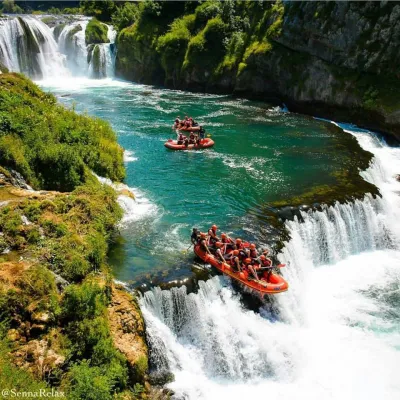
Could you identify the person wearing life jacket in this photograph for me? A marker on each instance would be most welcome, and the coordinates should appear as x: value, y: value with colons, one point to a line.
x: 181, y: 138
x: 203, y: 243
x: 212, y: 235
x: 253, y: 254
x: 194, y: 238
x: 239, y: 245
x: 266, y: 264
x: 177, y: 124
x: 219, y: 252
x: 247, y: 266
x: 227, y: 241
x: 192, y: 138
x: 235, y: 261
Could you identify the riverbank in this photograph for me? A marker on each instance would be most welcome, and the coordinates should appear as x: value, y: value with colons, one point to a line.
x: 62, y: 325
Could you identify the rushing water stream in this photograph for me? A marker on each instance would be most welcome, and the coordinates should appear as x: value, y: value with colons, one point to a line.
x: 336, y: 333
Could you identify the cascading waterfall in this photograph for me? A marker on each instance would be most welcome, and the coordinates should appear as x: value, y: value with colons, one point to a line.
x: 29, y: 46
x: 71, y: 43
x: 101, y: 57
x: 335, y: 334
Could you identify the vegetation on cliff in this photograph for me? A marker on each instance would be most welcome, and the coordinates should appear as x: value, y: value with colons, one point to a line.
x: 57, y: 300
x: 52, y: 147
x: 96, y: 32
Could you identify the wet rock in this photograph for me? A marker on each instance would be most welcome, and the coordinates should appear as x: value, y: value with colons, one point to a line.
x: 161, y: 378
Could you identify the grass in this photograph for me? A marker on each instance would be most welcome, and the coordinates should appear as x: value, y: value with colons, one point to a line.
x: 49, y: 145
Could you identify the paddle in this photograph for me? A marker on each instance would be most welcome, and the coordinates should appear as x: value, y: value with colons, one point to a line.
x: 185, y: 251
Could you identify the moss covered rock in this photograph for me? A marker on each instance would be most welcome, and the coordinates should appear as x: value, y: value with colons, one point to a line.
x: 96, y: 32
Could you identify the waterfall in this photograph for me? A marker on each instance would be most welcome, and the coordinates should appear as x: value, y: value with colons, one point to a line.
x: 339, y: 321
x: 29, y: 46
x: 101, y: 57
x: 71, y: 42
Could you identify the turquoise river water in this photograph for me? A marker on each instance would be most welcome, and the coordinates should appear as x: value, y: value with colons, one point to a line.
x: 261, y: 154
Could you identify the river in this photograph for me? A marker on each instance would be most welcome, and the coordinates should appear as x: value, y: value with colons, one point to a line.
x: 336, y: 333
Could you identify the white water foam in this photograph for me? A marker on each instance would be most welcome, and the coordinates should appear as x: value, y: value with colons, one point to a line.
x: 135, y: 206
x: 129, y: 156
x: 334, y: 335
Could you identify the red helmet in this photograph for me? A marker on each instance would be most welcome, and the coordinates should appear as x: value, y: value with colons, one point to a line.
x: 203, y: 235
x: 247, y: 261
x: 223, y: 236
x: 262, y: 257
x: 238, y: 241
x: 235, y: 252
x: 219, y: 244
x: 252, y: 246
x: 214, y: 227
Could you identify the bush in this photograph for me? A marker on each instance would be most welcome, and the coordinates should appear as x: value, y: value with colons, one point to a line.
x: 125, y: 16
x: 84, y: 301
x: 50, y: 145
x: 96, y: 32
x: 172, y: 46
x: 37, y: 282
x: 207, y: 48
x: 89, y: 383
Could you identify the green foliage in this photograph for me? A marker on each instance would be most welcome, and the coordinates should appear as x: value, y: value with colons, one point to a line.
x: 87, y: 300
x: 102, y: 10
x: 207, y: 11
x: 9, y: 7
x: 125, y: 15
x: 86, y: 382
x: 96, y: 32
x: 49, y: 145
x: 84, y: 306
x: 172, y: 46
x: 207, y: 47
x: 38, y: 281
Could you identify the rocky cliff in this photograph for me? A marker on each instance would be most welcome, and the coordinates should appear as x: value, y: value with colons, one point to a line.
x: 333, y: 59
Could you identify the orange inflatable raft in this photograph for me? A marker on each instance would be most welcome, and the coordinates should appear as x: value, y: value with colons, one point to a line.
x: 275, y: 283
x: 204, y: 143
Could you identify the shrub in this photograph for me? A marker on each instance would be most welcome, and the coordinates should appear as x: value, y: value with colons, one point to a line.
x: 96, y: 32
x: 37, y: 282
x: 50, y: 145
x: 87, y: 300
x: 207, y: 47
x: 86, y: 382
x: 125, y: 16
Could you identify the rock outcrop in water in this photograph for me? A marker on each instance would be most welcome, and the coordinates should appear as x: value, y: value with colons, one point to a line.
x: 333, y: 59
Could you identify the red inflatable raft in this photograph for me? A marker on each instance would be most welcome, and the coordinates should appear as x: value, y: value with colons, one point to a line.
x: 275, y: 283
x: 204, y: 143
